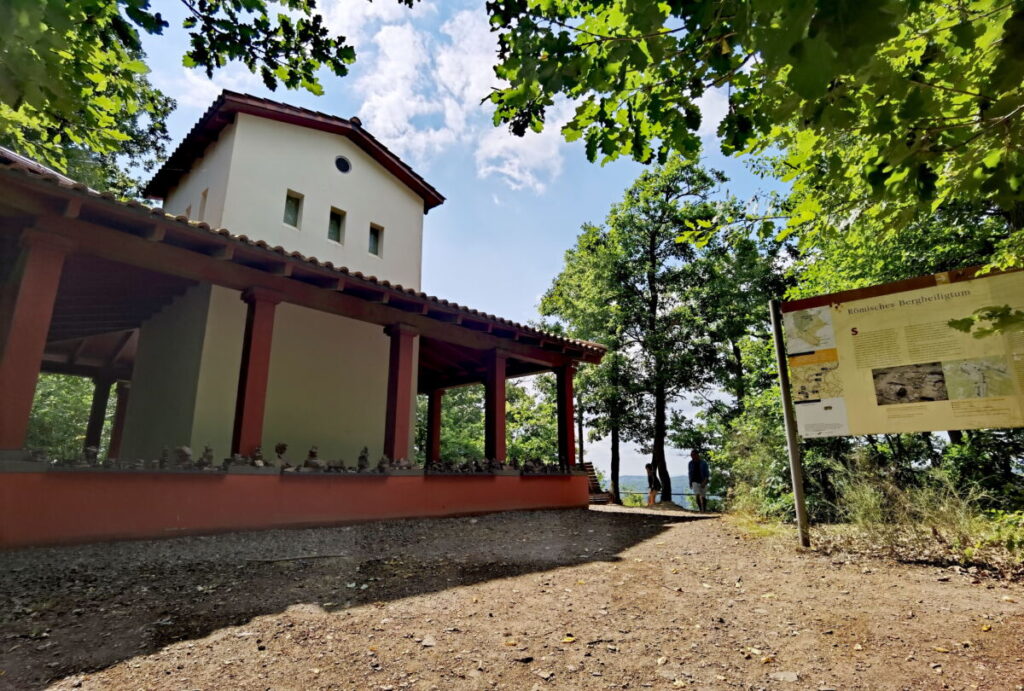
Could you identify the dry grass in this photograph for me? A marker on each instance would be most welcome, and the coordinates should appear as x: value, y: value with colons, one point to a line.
x: 931, y: 524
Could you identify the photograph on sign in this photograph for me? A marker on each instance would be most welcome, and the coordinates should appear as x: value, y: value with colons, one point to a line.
x: 886, y: 359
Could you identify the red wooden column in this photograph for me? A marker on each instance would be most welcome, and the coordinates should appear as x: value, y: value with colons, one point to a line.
x: 255, y: 369
x: 435, y: 399
x: 26, y: 306
x: 98, y: 412
x: 398, y: 420
x: 121, y: 394
x: 494, y: 407
x: 566, y: 416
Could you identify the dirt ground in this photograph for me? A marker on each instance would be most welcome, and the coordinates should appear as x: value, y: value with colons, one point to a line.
x: 598, y: 599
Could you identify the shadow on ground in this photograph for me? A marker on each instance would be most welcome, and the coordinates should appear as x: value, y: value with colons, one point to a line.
x: 70, y: 610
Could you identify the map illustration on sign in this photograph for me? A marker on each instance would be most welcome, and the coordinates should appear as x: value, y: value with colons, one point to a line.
x: 809, y: 330
x: 814, y: 382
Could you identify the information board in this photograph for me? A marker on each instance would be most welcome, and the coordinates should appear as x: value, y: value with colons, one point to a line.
x: 884, y: 359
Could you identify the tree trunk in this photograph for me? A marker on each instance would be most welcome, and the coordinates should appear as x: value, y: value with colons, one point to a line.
x: 616, y: 499
x: 934, y: 456
x: 658, y: 450
x: 955, y: 436
x: 740, y: 385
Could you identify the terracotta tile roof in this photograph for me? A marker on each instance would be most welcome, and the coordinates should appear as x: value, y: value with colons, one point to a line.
x: 8, y: 156
x: 35, y: 173
x: 222, y: 112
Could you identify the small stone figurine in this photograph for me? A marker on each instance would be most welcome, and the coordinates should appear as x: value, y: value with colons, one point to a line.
x: 90, y: 456
x: 206, y: 460
x: 313, y: 461
x: 280, y: 451
x: 401, y: 464
x: 364, y: 460
x: 257, y: 458
x: 164, y: 460
x: 183, y: 455
x: 234, y: 459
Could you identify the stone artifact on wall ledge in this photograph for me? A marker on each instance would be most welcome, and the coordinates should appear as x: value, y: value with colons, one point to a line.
x: 403, y: 466
x: 460, y: 466
x: 539, y: 467
x: 205, y: 461
x: 183, y: 458
x: 337, y: 466
x: 499, y: 468
x: 280, y: 449
x: 363, y: 464
x: 243, y: 465
x: 313, y: 462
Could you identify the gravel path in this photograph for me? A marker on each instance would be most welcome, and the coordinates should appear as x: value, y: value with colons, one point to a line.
x: 605, y: 598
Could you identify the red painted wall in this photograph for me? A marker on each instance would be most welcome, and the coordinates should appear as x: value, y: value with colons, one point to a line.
x: 62, y: 507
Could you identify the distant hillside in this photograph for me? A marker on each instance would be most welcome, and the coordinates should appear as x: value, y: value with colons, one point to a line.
x: 638, y: 483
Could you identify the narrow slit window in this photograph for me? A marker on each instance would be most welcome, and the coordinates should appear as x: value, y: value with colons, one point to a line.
x: 376, y: 239
x: 202, y: 204
x: 336, y: 226
x: 188, y: 211
x: 293, y: 208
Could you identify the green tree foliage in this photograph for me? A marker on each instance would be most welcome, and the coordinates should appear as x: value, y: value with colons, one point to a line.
x: 924, y: 98
x: 626, y: 283
x: 60, y: 414
x: 579, y: 300
x: 531, y: 422
x: 72, y: 71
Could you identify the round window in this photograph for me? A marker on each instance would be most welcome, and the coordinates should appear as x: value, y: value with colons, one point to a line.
x: 342, y: 164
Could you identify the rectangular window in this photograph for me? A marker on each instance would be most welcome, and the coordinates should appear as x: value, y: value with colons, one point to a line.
x: 376, y: 239
x: 293, y: 209
x: 336, y: 226
x: 202, y: 204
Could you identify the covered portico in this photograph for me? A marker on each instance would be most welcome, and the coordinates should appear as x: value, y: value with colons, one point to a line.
x: 81, y: 272
x: 79, y: 266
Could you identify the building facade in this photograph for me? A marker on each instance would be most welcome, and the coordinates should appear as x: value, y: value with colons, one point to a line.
x: 269, y: 330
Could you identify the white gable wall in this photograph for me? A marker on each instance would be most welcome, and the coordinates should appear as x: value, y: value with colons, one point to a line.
x: 269, y: 158
x: 208, y: 173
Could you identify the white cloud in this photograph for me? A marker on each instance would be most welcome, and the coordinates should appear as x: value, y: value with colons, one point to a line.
x: 713, y: 104
x: 527, y: 162
x: 358, y: 20
x: 464, y: 68
x: 396, y: 93
x: 193, y: 89
x: 422, y: 95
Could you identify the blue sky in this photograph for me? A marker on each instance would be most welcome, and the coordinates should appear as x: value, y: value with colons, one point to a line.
x: 514, y: 205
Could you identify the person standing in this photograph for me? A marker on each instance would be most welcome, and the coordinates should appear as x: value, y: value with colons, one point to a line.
x: 700, y: 474
x: 653, y: 484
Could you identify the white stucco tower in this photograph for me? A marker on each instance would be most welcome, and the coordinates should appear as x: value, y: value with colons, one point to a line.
x: 308, y: 183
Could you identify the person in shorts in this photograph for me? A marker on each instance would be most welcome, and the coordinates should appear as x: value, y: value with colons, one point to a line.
x: 653, y: 484
x: 699, y: 475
